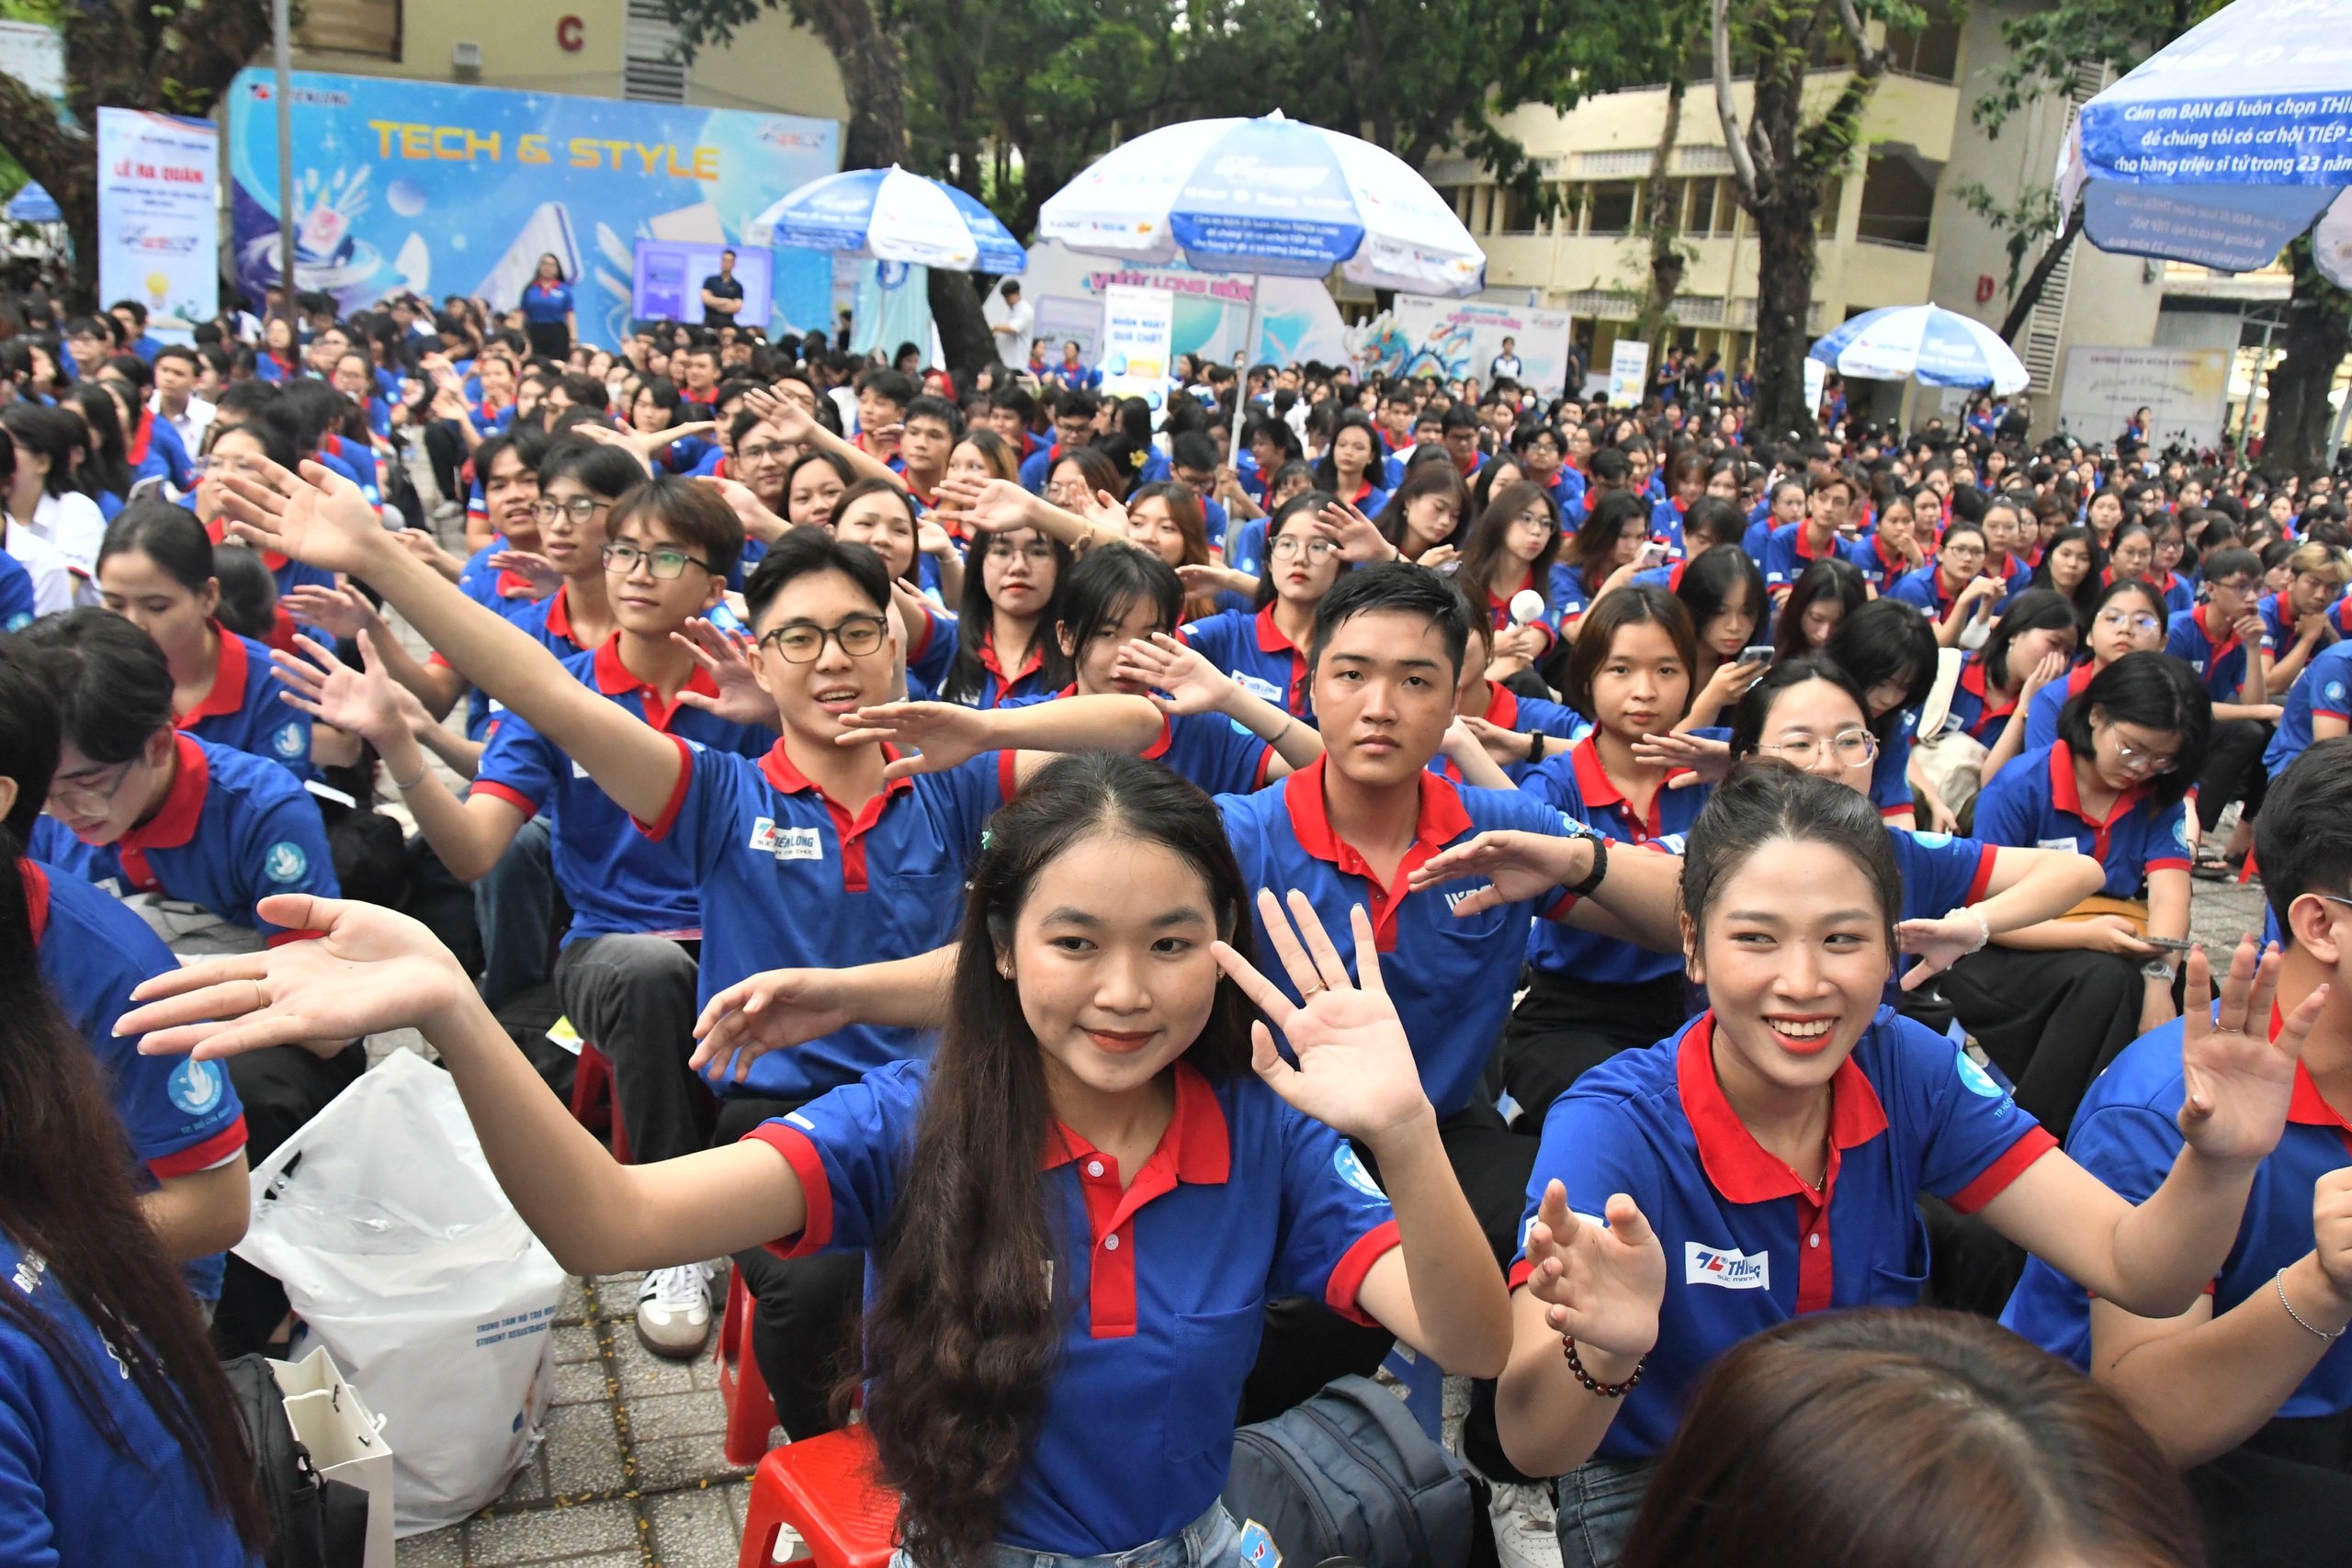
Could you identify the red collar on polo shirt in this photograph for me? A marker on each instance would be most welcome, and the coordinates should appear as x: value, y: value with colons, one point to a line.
x: 1029, y: 665
x: 1739, y: 1167
x: 1503, y: 706
x: 1272, y: 641
x: 2212, y: 650
x: 1440, y: 817
x: 1362, y: 490
x: 141, y: 434
x: 616, y: 679
x: 2080, y: 676
x: 2066, y: 797
x: 1592, y: 784
x: 852, y: 827
x: 35, y: 882
x: 218, y: 532
x: 228, y: 692
x: 1972, y: 681
x: 1803, y: 553
x: 559, y: 617
x: 173, y: 823
x: 1197, y: 1148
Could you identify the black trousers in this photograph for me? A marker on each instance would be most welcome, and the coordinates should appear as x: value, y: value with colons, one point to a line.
x: 633, y: 998
x: 805, y: 1321
x: 2281, y: 1499
x: 549, y: 340
x: 445, y: 450
x: 2233, y: 768
x: 2051, y: 1021
x: 282, y: 1087
x: 1565, y: 1027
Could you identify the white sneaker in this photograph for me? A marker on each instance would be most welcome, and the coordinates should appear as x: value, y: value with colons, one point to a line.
x: 674, y: 1311
x: 1527, y: 1526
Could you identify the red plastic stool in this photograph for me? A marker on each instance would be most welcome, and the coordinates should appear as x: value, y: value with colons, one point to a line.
x: 592, y: 1105
x: 751, y: 1411
x: 825, y: 1489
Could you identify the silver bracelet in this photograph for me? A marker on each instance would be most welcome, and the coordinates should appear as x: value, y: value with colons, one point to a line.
x: 404, y: 788
x: 2279, y: 1283
x: 1983, y: 926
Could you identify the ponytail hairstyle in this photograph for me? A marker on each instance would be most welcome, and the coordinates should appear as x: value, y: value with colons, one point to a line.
x: 66, y: 1201
x: 963, y: 1334
x: 1765, y: 799
x: 106, y: 462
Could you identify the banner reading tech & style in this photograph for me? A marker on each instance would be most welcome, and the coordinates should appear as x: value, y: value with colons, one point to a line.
x: 159, y: 229
x: 438, y: 189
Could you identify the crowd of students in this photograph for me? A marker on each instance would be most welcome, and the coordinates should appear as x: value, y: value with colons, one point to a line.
x: 1503, y: 878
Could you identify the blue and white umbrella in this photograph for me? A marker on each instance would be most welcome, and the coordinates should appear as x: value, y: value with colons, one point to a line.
x: 892, y: 216
x: 1267, y: 196
x: 1922, y: 342
x: 32, y: 205
x: 2227, y: 143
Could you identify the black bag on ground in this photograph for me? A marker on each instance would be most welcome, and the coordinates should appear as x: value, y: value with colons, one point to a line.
x: 313, y: 1522
x: 1350, y: 1473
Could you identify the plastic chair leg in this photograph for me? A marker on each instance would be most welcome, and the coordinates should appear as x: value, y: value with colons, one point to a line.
x: 751, y: 1411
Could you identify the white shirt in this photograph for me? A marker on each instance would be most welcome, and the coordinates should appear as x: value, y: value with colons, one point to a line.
x: 1504, y: 364
x: 74, y: 524
x: 192, y: 422
x: 55, y: 585
x: 1015, y: 327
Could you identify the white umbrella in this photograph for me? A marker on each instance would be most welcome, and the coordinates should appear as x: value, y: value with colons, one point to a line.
x: 892, y: 216
x: 1922, y: 342
x: 2225, y: 144
x: 1267, y: 196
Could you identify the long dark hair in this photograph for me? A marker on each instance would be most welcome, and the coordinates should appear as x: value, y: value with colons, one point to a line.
x: 2035, y: 610
x: 1887, y: 641
x: 1597, y: 535
x: 1827, y: 578
x: 2085, y: 594
x: 975, y: 619
x: 1932, y: 1439
x: 1420, y: 479
x: 1483, y: 555
x: 1707, y: 581
x: 963, y: 1334
x: 65, y: 1198
x: 106, y: 463
x: 1765, y: 799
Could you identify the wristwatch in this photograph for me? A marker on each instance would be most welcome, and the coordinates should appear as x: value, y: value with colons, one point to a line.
x: 1535, y: 746
x: 2157, y: 969
x: 1600, y: 868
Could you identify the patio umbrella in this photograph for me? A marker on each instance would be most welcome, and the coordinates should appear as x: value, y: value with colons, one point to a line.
x: 892, y: 216
x: 1924, y: 344
x: 2225, y: 145
x: 1269, y: 195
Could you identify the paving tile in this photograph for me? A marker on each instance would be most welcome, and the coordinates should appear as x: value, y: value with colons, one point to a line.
x: 676, y: 1415
x: 677, y: 1461
x: 434, y: 1548
x: 580, y: 1383
x: 573, y: 1306
x: 583, y: 1452
x: 543, y: 1533
x: 695, y: 1530
x: 641, y: 1372
x: 576, y: 1344
x: 529, y: 1484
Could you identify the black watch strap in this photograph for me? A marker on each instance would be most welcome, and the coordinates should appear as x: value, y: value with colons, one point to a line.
x: 1600, y: 869
x: 1535, y: 746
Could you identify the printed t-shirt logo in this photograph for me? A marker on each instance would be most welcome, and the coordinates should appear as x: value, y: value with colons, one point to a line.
x: 193, y: 1086
x: 785, y: 843
x: 285, y: 861
x: 288, y: 742
x: 2335, y: 690
x: 1977, y: 1079
x: 1353, y: 1172
x: 1725, y: 1266
x: 1931, y: 841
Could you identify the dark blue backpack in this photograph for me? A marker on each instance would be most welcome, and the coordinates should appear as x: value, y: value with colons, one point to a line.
x: 1349, y: 1473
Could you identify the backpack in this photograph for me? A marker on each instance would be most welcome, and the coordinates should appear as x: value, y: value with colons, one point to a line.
x: 313, y: 1522
x: 1350, y: 1473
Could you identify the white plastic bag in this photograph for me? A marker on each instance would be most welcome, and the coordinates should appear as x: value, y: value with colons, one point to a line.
x: 405, y: 1260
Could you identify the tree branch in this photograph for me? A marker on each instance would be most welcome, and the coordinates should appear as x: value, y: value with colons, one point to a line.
x: 1743, y: 164
x: 2023, y: 305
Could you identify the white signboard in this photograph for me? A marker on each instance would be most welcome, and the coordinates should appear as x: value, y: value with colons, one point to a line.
x: 1210, y: 311
x: 1817, y: 377
x: 1138, y: 323
x: 1629, y: 372
x: 159, y: 226
x: 34, y: 55
x: 1460, y: 339
x: 2184, y: 391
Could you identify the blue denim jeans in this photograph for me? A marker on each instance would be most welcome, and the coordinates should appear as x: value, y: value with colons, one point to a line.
x: 1213, y: 1540
x: 514, y: 907
x: 1598, y: 1501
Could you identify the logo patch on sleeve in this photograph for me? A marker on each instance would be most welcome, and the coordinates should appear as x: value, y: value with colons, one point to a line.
x: 288, y: 743
x: 193, y: 1086
x: 1353, y: 1172
x: 1731, y: 1269
x: 285, y: 861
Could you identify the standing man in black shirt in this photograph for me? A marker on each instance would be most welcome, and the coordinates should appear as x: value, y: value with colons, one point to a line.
x: 722, y: 294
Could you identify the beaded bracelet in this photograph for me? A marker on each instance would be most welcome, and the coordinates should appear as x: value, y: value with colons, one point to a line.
x: 1606, y: 1390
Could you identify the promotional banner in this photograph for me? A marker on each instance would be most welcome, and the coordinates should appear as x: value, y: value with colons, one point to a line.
x: 159, y: 224
x: 1629, y: 372
x: 1460, y: 339
x: 439, y: 190
x: 1138, y: 324
x: 1208, y: 312
x: 2184, y: 391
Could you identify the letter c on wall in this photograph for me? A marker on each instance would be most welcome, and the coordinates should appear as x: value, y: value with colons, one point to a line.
x: 569, y: 35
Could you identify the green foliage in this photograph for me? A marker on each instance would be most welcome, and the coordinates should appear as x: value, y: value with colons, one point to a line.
x: 2022, y: 225
x: 2046, y: 45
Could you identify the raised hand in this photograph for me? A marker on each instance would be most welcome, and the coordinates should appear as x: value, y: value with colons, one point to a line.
x: 317, y: 516
x: 1602, y: 1283
x: 1505, y: 746
x: 726, y: 660
x: 372, y: 970
x: 1355, y: 1071
x: 792, y: 422
x: 2235, y: 1083
x: 1708, y: 762
x: 1516, y: 863
x: 1171, y: 666
x: 367, y: 703
x: 1358, y: 538
x: 758, y: 522
x: 1107, y: 511
x: 987, y: 506
x: 773, y: 1010
x: 946, y: 733
x: 338, y: 612
x: 534, y: 570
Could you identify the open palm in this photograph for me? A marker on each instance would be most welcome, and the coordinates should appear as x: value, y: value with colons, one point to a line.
x: 1516, y: 863
x: 1191, y: 683
x: 366, y: 702
x: 947, y: 734
x: 317, y: 517
x: 1355, y: 1071
x: 2235, y: 1082
x: 1602, y: 1283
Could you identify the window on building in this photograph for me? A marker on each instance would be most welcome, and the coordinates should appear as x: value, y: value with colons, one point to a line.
x: 1898, y: 202
x: 1612, y: 207
x: 1932, y: 51
x: 1702, y: 219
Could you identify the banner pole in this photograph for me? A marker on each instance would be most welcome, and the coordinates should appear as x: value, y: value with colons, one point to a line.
x: 1242, y: 385
x: 281, y: 49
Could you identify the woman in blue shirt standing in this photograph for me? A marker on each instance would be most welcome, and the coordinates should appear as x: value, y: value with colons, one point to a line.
x: 120, y: 1439
x: 548, y: 316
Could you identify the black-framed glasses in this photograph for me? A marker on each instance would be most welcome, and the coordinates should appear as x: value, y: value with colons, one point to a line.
x: 666, y: 563
x: 803, y: 642
x: 766, y: 450
x: 579, y: 508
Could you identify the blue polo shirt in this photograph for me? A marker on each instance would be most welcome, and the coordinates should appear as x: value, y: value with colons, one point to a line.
x: 1578, y: 787
x: 1879, y: 565
x: 1248, y: 646
x: 18, y: 605
x: 71, y: 1492
x: 1450, y: 979
x: 2179, y: 592
x: 793, y: 879
x: 1220, y: 755
x: 1164, y: 1282
x: 1940, y: 873
x: 2124, y: 1135
x: 997, y: 686
x: 550, y: 620
x: 1786, y: 555
x: 1747, y: 1245
x: 546, y: 304
x: 2220, y: 663
x: 2277, y: 622
x: 2325, y: 687
x: 1922, y: 589
x: 232, y: 831
x: 1245, y: 548
x: 2032, y: 804
x: 1891, y: 773
x: 1528, y: 716
x: 1973, y: 710
x: 616, y: 881
x: 242, y: 713
x: 2042, y: 713
x: 510, y: 595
